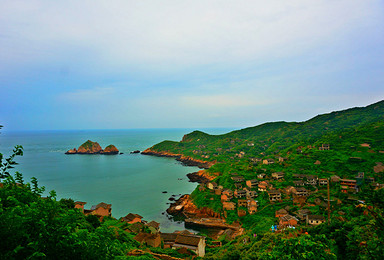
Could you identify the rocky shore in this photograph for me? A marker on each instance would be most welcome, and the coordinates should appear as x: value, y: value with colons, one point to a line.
x: 185, y: 207
x: 201, y: 176
x: 186, y: 160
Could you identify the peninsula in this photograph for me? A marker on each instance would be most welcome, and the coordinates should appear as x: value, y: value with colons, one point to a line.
x: 90, y: 147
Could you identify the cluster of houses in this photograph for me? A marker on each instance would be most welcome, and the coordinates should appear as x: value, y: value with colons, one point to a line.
x: 100, y: 210
x: 287, y: 220
x: 148, y: 233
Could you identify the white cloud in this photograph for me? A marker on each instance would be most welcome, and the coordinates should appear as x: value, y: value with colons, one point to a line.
x: 148, y: 34
x: 93, y: 95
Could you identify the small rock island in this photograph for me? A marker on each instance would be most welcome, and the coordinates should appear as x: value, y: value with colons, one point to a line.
x: 90, y: 147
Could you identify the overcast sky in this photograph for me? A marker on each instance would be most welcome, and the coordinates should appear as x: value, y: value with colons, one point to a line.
x: 186, y: 64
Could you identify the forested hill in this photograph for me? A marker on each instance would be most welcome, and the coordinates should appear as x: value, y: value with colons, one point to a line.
x: 271, y: 138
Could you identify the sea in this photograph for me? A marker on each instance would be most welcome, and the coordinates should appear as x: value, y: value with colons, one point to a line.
x: 132, y: 183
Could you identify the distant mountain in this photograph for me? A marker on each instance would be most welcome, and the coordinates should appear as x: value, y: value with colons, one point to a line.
x: 275, y: 136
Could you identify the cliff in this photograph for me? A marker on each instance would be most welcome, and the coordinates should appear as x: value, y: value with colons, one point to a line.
x: 90, y: 147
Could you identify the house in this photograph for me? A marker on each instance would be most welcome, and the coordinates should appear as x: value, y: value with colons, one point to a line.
x: 288, y: 220
x: 261, y: 175
x: 80, y: 205
x: 229, y: 206
x: 300, y: 191
x: 252, y: 183
x: 218, y: 191
x: 323, y: 182
x: 335, y: 178
x: 280, y: 213
x: 351, y: 184
x: 201, y: 187
x: 238, y: 185
x: 242, y: 203
x: 268, y: 161
x: 289, y: 190
x: 101, y: 209
x: 229, y: 193
x: 251, y: 194
x: 298, y: 183
x: 282, y: 159
x: 132, y: 218
x: 224, y: 198
x: 241, y: 213
x: 274, y: 195
x: 153, y: 240
x: 212, y: 185
x: 360, y: 175
x: 324, y: 147
x: 168, y: 239
x: 315, y: 220
x: 365, y: 145
x: 278, y: 175
x: 240, y: 193
x: 311, y: 180
x: 252, y: 206
x: 191, y: 242
x: 237, y: 179
x: 263, y: 185
x: 136, y: 227
x: 302, y: 213
x: 153, y: 226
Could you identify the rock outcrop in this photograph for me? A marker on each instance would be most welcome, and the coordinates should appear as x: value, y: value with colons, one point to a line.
x: 185, y: 207
x: 110, y: 149
x: 90, y: 147
x: 186, y: 160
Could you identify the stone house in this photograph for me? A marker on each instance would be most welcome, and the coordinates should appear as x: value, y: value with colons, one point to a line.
x: 263, y: 186
x: 274, y: 195
x: 80, y: 205
x: 300, y: 191
x: 229, y: 206
x: 251, y: 194
x: 268, y: 161
x: 302, y: 213
x: 252, y: 183
x: 298, y: 183
x: 324, y: 147
x: 323, y: 182
x: 311, y: 180
x: 252, y: 206
x: 228, y: 192
x: 153, y: 226
x: 153, y: 240
x: 280, y: 213
x: 240, y: 193
x: 261, y: 175
x: 212, y: 185
x: 132, y: 218
x: 102, y: 209
x: 191, y: 242
x: 288, y: 220
x: 315, y: 220
x: 335, y: 178
x: 242, y: 203
x: 241, y: 213
x: 237, y: 179
x: 278, y: 175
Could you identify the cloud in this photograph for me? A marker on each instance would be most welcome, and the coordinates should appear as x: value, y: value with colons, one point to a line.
x: 97, y: 94
x: 169, y: 34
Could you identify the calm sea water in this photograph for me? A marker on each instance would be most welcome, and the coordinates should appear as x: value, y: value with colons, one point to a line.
x: 130, y: 182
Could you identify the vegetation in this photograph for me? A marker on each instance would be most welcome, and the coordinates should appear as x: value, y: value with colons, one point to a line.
x: 356, y: 140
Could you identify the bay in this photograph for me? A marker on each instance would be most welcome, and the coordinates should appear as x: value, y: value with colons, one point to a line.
x: 130, y: 182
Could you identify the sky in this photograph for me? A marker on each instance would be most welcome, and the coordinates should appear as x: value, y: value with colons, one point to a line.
x: 186, y: 64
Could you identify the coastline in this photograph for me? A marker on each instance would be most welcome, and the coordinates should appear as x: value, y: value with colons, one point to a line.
x: 186, y: 160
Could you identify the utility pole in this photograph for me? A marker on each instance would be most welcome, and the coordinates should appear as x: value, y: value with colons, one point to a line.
x: 329, y: 204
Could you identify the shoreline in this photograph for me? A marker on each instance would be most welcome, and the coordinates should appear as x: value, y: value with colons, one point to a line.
x: 186, y: 160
